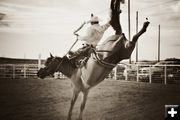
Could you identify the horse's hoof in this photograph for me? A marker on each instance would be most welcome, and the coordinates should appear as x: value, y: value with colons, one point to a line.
x: 146, y: 24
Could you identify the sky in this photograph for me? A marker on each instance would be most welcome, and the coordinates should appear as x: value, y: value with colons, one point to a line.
x: 35, y: 27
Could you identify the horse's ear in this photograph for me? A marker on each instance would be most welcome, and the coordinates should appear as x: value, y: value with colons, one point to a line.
x: 51, y: 55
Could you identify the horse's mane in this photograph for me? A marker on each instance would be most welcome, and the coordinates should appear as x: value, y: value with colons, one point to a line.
x: 66, y: 67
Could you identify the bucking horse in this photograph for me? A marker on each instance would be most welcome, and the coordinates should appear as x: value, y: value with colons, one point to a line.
x: 113, y: 50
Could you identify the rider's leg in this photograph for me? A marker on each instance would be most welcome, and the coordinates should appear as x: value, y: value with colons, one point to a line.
x: 80, y: 52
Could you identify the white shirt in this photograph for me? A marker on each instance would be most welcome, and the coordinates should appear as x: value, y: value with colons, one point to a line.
x: 94, y: 34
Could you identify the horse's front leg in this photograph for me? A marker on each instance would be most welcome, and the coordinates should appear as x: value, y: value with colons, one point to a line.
x: 83, y: 103
x: 73, y: 100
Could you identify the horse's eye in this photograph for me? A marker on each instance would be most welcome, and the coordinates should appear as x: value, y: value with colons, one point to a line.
x: 46, y: 64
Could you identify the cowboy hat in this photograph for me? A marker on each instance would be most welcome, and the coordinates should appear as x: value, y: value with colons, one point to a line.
x: 93, y: 19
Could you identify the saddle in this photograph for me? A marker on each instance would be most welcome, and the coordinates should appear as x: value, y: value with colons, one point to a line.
x: 80, y: 57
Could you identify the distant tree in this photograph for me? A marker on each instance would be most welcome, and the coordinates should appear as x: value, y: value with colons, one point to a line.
x: 2, y: 15
x: 172, y: 59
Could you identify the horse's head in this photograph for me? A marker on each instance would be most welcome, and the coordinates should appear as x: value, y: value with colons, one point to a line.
x: 118, y: 48
x: 51, y: 66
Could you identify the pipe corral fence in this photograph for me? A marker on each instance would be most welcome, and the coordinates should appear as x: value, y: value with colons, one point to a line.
x: 165, y: 74
x: 148, y: 73
x: 16, y: 71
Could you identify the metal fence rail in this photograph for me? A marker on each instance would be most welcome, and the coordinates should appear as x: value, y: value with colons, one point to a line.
x: 16, y: 71
x: 149, y: 73
x: 165, y: 74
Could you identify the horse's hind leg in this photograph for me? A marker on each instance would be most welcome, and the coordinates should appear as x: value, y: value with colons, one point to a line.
x: 143, y: 30
x: 73, y: 100
x: 83, y: 103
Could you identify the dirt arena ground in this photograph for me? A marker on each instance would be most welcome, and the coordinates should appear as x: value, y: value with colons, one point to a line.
x: 49, y: 99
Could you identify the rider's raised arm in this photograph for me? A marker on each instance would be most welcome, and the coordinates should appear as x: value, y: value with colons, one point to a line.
x: 75, y: 32
x: 88, y: 36
x: 105, y: 26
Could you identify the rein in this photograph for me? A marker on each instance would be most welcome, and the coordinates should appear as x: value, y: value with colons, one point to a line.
x: 75, y: 33
x: 103, y: 63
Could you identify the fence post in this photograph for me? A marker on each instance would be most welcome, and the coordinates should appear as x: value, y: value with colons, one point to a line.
x: 4, y: 67
x: 115, y: 73
x: 24, y: 70
x: 150, y: 77
x: 165, y: 75
x: 14, y: 70
x: 137, y: 73
x: 126, y: 74
x: 39, y: 61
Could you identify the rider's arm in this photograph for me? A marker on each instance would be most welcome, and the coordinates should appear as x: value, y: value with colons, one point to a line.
x: 105, y: 26
x: 89, y: 34
x: 75, y: 32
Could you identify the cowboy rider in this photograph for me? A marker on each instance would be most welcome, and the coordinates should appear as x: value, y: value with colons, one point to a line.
x: 93, y: 35
x: 94, y: 32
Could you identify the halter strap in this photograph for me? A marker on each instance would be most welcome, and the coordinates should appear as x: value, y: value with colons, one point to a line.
x: 59, y: 63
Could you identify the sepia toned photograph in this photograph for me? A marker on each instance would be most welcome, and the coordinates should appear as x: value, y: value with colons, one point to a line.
x: 89, y: 60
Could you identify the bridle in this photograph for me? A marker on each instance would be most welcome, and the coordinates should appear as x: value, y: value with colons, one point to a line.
x: 57, y: 68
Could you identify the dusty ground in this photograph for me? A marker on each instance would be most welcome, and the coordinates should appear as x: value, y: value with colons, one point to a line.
x: 111, y: 100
